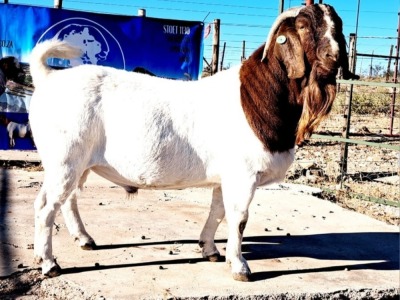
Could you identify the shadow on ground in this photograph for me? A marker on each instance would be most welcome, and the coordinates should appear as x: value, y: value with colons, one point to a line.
x: 374, y: 250
x: 5, y: 254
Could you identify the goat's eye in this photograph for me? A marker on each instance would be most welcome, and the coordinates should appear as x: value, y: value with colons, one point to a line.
x: 301, y: 26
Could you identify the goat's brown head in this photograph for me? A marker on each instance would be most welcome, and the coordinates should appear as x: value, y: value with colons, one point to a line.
x: 310, y: 43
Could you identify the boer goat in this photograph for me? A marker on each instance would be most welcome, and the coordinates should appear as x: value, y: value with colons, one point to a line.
x: 143, y: 132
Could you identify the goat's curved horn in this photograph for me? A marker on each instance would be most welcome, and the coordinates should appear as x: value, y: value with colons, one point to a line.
x: 290, y: 13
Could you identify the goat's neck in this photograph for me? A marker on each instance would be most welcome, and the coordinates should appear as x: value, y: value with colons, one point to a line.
x: 270, y: 103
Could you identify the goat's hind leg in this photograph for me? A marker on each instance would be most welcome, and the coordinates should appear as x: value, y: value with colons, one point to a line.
x: 215, y: 217
x: 73, y: 220
x: 40, y: 202
x: 49, y: 200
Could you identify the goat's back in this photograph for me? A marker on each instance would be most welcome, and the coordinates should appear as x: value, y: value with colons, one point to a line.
x: 142, y: 126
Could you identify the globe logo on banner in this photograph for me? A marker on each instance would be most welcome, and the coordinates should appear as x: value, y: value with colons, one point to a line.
x: 98, y: 45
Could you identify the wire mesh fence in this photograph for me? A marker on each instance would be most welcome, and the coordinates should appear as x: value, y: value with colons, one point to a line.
x: 372, y: 162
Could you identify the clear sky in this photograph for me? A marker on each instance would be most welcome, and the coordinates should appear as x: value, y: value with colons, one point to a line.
x: 250, y: 21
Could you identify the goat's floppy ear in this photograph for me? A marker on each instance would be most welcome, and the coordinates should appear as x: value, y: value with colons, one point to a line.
x: 289, y: 50
x: 290, y: 13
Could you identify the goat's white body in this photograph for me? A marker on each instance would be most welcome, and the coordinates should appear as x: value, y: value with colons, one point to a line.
x: 146, y: 132
x: 154, y: 133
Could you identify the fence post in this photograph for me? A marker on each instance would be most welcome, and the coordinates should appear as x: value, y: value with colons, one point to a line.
x: 281, y: 6
x: 215, y: 56
x: 395, y: 73
x: 222, y: 58
x: 389, y: 63
x: 58, y: 4
x: 243, y: 58
x: 347, y: 111
x: 370, y: 67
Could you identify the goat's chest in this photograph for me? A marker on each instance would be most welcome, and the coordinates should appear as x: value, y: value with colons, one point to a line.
x: 274, y: 167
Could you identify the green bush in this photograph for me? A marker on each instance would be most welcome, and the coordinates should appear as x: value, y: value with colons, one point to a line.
x: 366, y: 100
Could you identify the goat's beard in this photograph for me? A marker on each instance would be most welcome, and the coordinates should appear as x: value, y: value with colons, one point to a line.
x: 317, y: 98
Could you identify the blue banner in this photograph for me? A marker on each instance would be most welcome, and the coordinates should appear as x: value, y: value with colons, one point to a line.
x: 159, y: 47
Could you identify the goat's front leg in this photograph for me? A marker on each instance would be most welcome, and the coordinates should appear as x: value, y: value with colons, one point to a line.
x: 215, y: 217
x: 237, y: 200
x: 74, y: 223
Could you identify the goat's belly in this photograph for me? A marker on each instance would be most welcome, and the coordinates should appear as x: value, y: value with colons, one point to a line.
x: 154, y: 176
x: 153, y: 161
x: 152, y: 183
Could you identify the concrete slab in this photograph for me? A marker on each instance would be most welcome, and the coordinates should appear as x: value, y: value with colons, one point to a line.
x: 297, y: 245
x: 16, y: 155
x: 393, y: 180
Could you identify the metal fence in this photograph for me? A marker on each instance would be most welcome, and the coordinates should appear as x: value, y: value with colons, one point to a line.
x: 356, y: 153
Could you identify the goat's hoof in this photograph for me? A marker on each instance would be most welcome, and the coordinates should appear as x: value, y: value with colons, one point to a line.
x: 89, y: 246
x: 54, y: 271
x: 214, y: 257
x: 37, y: 260
x: 246, y: 277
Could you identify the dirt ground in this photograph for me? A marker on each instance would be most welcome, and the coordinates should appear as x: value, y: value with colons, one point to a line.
x: 373, y: 177
x: 298, y: 246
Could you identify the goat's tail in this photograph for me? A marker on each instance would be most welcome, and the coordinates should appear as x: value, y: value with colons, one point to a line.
x: 50, y: 48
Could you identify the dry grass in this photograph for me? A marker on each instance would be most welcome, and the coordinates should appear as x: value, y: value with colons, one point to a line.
x: 367, y: 100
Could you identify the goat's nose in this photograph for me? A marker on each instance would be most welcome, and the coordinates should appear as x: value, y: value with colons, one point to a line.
x: 329, y: 55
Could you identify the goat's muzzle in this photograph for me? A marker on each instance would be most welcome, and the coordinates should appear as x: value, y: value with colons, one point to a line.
x: 326, y: 69
x: 329, y: 58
